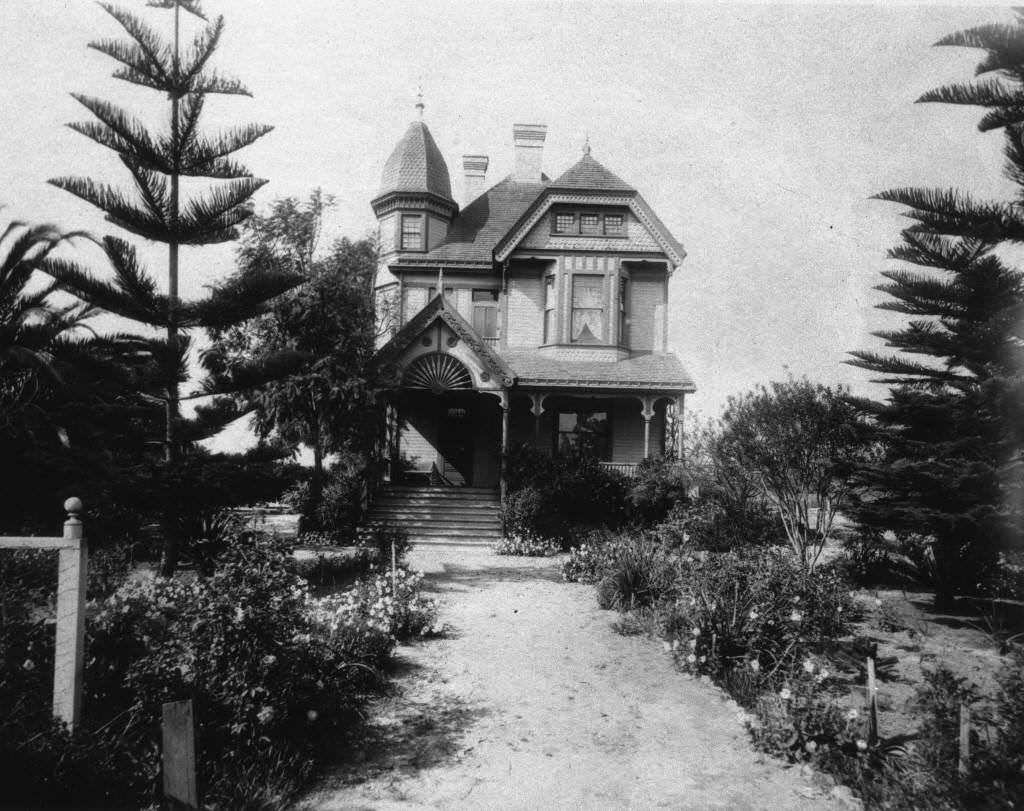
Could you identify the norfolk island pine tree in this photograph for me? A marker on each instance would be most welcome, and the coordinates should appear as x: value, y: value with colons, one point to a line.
x: 157, y: 163
x: 952, y: 423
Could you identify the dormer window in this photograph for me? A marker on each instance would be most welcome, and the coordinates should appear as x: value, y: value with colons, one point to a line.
x: 592, y: 223
x: 565, y: 223
x: 412, y: 232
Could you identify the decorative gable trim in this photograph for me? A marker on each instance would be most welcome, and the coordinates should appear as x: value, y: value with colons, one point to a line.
x: 633, y: 201
x: 438, y: 309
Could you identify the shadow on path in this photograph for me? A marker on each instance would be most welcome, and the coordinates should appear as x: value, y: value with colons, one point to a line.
x: 456, y: 576
x: 404, y: 737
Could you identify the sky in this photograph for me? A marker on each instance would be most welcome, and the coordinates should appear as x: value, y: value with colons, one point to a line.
x: 758, y: 133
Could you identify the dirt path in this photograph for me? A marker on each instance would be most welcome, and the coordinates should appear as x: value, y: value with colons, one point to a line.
x: 533, y: 702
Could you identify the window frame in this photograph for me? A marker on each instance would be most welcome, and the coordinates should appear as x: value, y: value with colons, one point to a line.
x: 605, y: 451
x: 623, y: 299
x: 621, y: 232
x: 422, y: 222
x: 601, y: 284
x: 575, y: 227
x: 491, y: 305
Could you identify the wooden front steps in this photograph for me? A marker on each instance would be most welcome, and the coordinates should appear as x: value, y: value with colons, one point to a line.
x: 439, y: 516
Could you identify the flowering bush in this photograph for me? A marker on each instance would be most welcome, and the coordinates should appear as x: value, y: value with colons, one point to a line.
x: 274, y: 674
x: 758, y: 609
x: 526, y: 544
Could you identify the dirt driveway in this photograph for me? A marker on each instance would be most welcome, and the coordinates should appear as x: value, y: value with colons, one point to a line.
x: 533, y: 702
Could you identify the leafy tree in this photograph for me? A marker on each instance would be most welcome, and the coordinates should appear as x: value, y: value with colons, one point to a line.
x: 160, y: 210
x: 952, y: 422
x: 325, y: 406
x: 801, y: 442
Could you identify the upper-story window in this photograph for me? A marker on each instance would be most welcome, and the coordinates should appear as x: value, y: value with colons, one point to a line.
x: 549, y: 309
x: 588, y: 223
x: 614, y: 225
x: 412, y: 232
x: 485, y: 313
x: 587, y: 309
x: 565, y: 223
x: 583, y: 434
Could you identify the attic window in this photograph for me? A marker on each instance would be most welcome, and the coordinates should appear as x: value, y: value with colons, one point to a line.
x: 613, y: 224
x: 590, y: 224
x: 565, y: 223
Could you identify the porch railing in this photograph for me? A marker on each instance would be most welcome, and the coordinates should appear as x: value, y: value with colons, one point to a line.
x: 492, y: 342
x: 626, y: 469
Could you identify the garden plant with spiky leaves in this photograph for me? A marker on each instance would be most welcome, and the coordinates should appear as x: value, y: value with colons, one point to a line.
x: 159, y: 211
x: 953, y: 420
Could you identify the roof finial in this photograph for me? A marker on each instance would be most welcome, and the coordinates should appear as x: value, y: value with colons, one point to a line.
x: 586, y: 144
x: 419, y: 102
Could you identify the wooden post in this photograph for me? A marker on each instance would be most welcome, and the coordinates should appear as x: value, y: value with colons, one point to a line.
x: 394, y: 571
x: 504, y: 443
x: 872, y: 704
x: 178, y: 757
x: 73, y: 565
x: 964, y: 764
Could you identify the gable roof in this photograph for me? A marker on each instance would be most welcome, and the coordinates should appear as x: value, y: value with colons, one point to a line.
x: 416, y: 165
x: 589, y: 175
x: 439, y: 308
x: 481, y: 224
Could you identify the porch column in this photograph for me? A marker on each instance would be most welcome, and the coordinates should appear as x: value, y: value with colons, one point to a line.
x: 679, y: 428
x: 504, y: 441
x: 648, y: 412
x: 536, y: 408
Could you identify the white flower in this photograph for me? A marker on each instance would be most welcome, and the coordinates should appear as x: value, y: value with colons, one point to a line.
x: 28, y: 664
x: 265, y: 715
x: 693, y: 644
x: 796, y: 616
x: 311, y: 715
x: 796, y: 599
x: 675, y: 644
x: 862, y: 744
x: 696, y: 632
x: 852, y: 715
x: 754, y: 615
x: 667, y: 645
x: 824, y: 674
x: 239, y: 614
x: 878, y: 602
x: 785, y: 694
x: 811, y: 746
x: 269, y: 659
x: 809, y: 666
x: 691, y: 658
x: 703, y: 659
x: 839, y: 610
x: 755, y: 665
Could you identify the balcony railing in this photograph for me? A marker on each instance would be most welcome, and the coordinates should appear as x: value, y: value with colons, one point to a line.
x: 491, y: 342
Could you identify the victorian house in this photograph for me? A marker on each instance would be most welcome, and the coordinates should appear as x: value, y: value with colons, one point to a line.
x: 536, y: 313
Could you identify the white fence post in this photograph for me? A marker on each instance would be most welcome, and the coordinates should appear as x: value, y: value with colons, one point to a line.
x: 70, y: 644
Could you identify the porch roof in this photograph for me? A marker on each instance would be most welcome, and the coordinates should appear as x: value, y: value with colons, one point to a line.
x: 648, y: 371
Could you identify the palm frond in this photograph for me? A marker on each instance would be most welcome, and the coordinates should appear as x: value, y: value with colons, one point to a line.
x: 242, y: 297
x: 1003, y: 43
x: 987, y: 93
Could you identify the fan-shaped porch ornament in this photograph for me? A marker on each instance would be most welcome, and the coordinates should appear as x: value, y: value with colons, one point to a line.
x: 437, y: 372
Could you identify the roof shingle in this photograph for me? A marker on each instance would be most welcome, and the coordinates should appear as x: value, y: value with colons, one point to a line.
x: 589, y: 175
x: 655, y: 371
x: 416, y: 165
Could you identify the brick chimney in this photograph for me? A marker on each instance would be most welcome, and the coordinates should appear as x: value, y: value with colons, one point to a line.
x: 529, y: 143
x: 474, y: 172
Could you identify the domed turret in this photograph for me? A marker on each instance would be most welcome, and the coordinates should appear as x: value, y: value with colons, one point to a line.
x: 416, y: 165
x: 414, y: 206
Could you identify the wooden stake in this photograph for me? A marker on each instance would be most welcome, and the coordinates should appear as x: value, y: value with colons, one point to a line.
x: 872, y: 704
x: 964, y: 765
x: 394, y: 571
x: 179, y: 756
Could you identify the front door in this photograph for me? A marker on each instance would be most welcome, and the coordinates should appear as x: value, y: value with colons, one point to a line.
x: 455, y: 443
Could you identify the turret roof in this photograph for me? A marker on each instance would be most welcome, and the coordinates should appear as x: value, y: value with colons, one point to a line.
x: 416, y: 165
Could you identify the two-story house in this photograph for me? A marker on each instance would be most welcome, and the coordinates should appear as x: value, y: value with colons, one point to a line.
x: 535, y: 313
